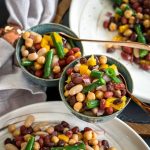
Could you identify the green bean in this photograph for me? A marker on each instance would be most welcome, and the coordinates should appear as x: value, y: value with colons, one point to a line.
x: 116, y: 79
x: 30, y: 143
x: 92, y: 104
x: 118, y: 2
x: 96, y: 74
x: 48, y: 64
x: 119, y: 11
x: 110, y: 72
x: 27, y: 63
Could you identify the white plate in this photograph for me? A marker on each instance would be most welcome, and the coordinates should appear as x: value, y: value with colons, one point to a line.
x: 86, y: 20
x: 116, y: 132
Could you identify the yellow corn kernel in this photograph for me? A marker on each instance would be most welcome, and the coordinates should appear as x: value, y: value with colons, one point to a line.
x: 84, y: 69
x: 66, y: 50
x: 47, y: 48
x: 109, y: 101
x: 51, y: 42
x: 103, y: 66
x: 57, y: 37
x: 69, y: 79
x: 123, y: 28
x: 117, y: 38
x: 91, y: 61
x: 46, y: 37
x: 77, y: 54
x: 63, y: 137
x: 44, y: 42
x: 124, y: 98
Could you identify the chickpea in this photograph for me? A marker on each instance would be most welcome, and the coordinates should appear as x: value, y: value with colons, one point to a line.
x: 56, y: 69
x: 131, y: 20
x: 75, y: 137
x: 88, y: 135
x: 127, y: 32
x: 128, y: 13
x: 112, y: 148
x: 139, y: 15
x: 41, y: 60
x: 93, y: 141
x: 80, y: 136
x: 77, y: 106
x: 23, y: 48
x: 37, y: 66
x: 36, y: 146
x: 16, y: 133
x: 90, y: 96
x: 26, y: 35
x: 32, y: 56
x: 146, y: 16
x: 96, y: 147
x: 42, y: 52
x: 25, y: 53
x: 94, y: 135
x: 55, y: 139
x: 66, y: 94
x: 102, y: 59
x: 146, y: 23
x: 99, y: 94
x: 27, y: 137
x: 72, y: 141
x: 37, y: 38
x: 50, y: 130
x: 28, y: 42
x: 95, y: 110
x: 77, y: 67
x: 112, y: 26
x: 11, y: 128
x: 80, y: 97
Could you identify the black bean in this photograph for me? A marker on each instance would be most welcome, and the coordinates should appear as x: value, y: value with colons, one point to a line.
x: 117, y: 101
x: 75, y: 130
x: 7, y: 141
x: 83, y: 60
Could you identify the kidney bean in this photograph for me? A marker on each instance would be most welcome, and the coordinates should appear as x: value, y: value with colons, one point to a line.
x: 106, y: 24
x: 102, y: 104
x: 41, y: 142
x: 74, y: 75
x: 7, y: 141
x: 58, y: 75
x: 37, y: 46
x: 87, y: 129
x: 75, y: 130
x: 77, y: 80
x: 49, y: 143
x: 126, y: 56
x: 62, y: 62
x: 123, y: 92
x: 39, y: 73
x: 128, y: 50
x: 145, y: 66
x: 135, y: 5
x: 69, y: 71
x: 70, y: 59
x: 76, y: 49
x: 136, y: 60
x: 133, y: 37
x: 119, y: 86
x: 83, y: 60
x: 72, y: 100
x: 23, y: 130
x: 55, y: 133
x: 148, y: 57
x: 110, y: 50
x: 105, y: 144
x: 109, y: 110
x: 139, y: 9
x: 71, y: 52
x: 108, y: 94
x: 61, y: 143
x: 110, y: 86
x: 18, y: 143
x: 70, y: 85
x: 65, y: 124
x: 69, y: 134
x: 124, y: 20
x: 59, y: 128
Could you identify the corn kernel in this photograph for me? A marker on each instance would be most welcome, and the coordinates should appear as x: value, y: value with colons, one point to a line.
x: 123, y: 28
x: 117, y: 38
x: 63, y: 137
x: 66, y: 50
x: 104, y: 66
x: 77, y: 54
x: 91, y: 61
x: 69, y: 79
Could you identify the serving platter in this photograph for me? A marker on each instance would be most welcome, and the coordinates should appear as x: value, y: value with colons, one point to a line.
x: 86, y: 20
x: 116, y: 132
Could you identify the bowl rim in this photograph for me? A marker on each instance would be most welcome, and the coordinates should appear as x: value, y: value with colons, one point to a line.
x: 30, y: 29
x: 83, y: 115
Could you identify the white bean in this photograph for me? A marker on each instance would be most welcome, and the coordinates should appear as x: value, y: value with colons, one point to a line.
x: 32, y: 56
x: 25, y: 53
x: 55, y: 60
x: 29, y: 120
x: 10, y: 147
x: 28, y: 42
x: 76, y: 89
x: 42, y: 52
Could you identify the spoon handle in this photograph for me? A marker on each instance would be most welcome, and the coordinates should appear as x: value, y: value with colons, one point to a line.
x: 144, y: 106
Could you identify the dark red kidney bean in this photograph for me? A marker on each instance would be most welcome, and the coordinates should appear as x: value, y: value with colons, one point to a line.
x: 70, y: 59
x: 136, y: 60
x: 7, y: 141
x: 71, y: 52
x: 74, y: 75
x: 124, y: 20
x: 110, y: 50
x: 71, y: 100
x: 139, y: 9
x: 109, y: 110
x: 58, y: 75
x: 55, y: 133
x: 146, y: 11
x: 133, y: 37
x: 29, y: 130
x: 75, y: 130
x: 62, y: 62
x: 76, y: 49
x: 59, y: 128
x: 39, y: 73
x: 123, y: 92
x: 18, y: 144
x: 128, y: 50
x: 87, y: 129
x: 135, y: 5
x: 37, y: 46
x: 41, y: 142
x: 83, y: 60
x: 126, y: 56
x: 148, y: 57
x: 105, y: 144
x: 110, y: 86
x: 106, y: 24
x: 102, y: 104
x: 19, y: 138
x: 77, y: 80
x: 61, y: 143
x: 119, y: 86
x: 65, y: 124
x: 69, y: 133
x: 69, y: 71
x: 108, y: 94
x: 70, y: 85
x: 145, y: 66
x: 23, y: 130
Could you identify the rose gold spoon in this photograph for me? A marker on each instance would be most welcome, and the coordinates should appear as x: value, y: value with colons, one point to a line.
x: 144, y: 106
x: 119, y: 43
